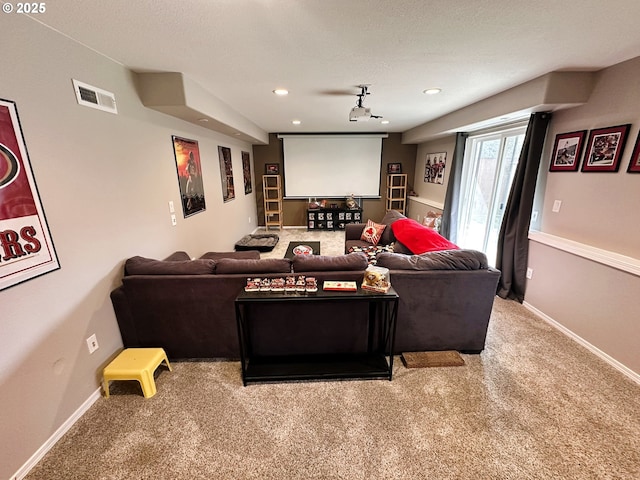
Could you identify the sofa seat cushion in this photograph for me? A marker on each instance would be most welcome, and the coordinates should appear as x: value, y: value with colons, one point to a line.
x: 252, y: 266
x: 371, y: 251
x: 418, y: 238
x: 148, y: 266
x: 439, y: 260
x: 245, y: 254
x: 325, y: 263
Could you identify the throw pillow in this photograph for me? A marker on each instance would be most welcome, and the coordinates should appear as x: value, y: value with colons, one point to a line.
x: 418, y: 238
x: 372, y: 232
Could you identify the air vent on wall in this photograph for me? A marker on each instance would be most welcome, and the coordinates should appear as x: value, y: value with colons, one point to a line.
x: 94, y: 97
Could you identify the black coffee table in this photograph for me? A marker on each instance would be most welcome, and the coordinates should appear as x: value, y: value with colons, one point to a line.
x: 298, y: 248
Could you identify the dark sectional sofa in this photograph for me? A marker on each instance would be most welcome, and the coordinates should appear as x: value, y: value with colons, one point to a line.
x: 187, y: 306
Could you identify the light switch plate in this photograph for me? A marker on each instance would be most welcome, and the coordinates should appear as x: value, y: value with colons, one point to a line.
x: 556, y: 206
x: 171, y: 208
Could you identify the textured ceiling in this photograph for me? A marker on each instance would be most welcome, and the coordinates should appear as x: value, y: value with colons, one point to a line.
x: 320, y: 50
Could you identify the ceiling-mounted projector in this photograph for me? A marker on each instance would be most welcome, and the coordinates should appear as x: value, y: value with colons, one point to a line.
x: 359, y: 114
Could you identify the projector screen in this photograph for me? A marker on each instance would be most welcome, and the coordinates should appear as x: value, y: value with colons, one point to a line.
x: 332, y: 166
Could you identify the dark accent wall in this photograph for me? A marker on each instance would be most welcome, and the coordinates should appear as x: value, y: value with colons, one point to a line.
x: 295, y: 211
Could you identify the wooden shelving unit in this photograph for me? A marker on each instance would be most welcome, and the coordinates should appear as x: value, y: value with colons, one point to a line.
x: 397, y: 192
x: 272, y: 193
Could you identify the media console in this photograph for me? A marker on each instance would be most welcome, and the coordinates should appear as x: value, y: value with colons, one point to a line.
x: 332, y: 218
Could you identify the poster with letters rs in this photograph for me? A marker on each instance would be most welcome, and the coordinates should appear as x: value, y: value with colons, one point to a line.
x: 26, y: 247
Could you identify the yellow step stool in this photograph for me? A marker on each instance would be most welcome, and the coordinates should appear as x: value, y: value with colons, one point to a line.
x: 135, y: 364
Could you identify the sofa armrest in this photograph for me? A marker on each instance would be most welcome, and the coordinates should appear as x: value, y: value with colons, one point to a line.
x: 124, y: 317
x: 353, y: 231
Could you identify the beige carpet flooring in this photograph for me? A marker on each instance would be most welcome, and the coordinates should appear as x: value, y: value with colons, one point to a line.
x: 533, y: 405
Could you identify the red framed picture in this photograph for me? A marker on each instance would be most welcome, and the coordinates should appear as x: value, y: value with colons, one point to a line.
x: 566, y: 151
x: 604, y: 149
x: 634, y: 163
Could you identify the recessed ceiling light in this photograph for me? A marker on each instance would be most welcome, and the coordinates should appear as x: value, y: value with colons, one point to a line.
x: 385, y: 121
x: 281, y: 91
x: 432, y: 91
x: 203, y: 120
x: 296, y: 122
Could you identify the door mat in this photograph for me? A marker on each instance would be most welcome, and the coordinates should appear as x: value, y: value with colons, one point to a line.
x: 446, y: 358
x: 302, y: 248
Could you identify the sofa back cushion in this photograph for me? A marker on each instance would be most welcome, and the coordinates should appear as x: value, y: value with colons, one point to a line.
x: 252, y: 266
x: 389, y: 218
x: 148, y: 266
x: 246, y: 254
x: 440, y: 260
x: 324, y: 263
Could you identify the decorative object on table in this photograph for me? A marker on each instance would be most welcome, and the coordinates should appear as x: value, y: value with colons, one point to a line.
x: 566, y: 152
x: 432, y: 220
x: 434, y: 165
x: 604, y: 149
x: 323, y: 203
x: 393, y: 168
x: 445, y: 358
x: 314, y: 204
x: 187, y: 155
x: 272, y: 169
x: 339, y: 286
x: 376, y: 279
x: 226, y: 174
x: 302, y: 248
x: 634, y: 163
x: 28, y: 249
x: 351, y: 202
x: 246, y: 172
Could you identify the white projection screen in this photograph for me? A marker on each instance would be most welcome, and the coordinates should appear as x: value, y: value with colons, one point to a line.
x: 332, y: 166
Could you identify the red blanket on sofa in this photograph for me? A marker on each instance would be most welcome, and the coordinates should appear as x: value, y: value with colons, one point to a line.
x: 418, y: 238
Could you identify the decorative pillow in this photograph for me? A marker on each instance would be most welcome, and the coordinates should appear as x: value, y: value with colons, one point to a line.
x: 372, y: 251
x: 247, y: 254
x: 418, y: 238
x: 242, y: 265
x: 324, y: 263
x: 149, y: 266
x: 440, y: 260
x: 389, y: 218
x: 372, y: 232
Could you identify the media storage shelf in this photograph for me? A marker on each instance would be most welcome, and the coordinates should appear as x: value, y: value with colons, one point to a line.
x: 332, y: 218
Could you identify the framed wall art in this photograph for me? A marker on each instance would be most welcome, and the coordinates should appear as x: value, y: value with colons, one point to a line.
x: 187, y: 154
x: 24, y: 233
x: 393, y: 168
x: 246, y: 172
x: 226, y: 174
x: 567, y: 151
x: 434, y: 165
x: 604, y: 149
x: 272, y: 169
x: 634, y: 163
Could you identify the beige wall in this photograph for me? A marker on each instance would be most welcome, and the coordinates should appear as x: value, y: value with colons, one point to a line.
x: 597, y: 303
x: 105, y: 182
x: 295, y: 211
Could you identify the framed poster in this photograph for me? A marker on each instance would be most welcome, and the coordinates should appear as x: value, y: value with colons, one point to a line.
x: 189, y: 170
x: 27, y: 249
x: 634, y: 163
x: 246, y: 172
x: 434, y: 165
x: 567, y: 151
x: 226, y: 174
x: 604, y: 149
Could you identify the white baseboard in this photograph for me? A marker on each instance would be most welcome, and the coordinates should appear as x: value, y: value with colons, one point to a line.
x: 635, y: 377
x: 42, y: 451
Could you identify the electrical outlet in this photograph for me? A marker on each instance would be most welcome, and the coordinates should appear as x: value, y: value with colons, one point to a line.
x: 534, y: 215
x: 556, y: 206
x: 174, y: 222
x: 529, y: 273
x: 249, y: 220
x: 92, y: 343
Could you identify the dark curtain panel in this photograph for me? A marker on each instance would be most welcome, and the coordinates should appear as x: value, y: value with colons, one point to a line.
x: 449, y: 225
x: 513, y: 242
